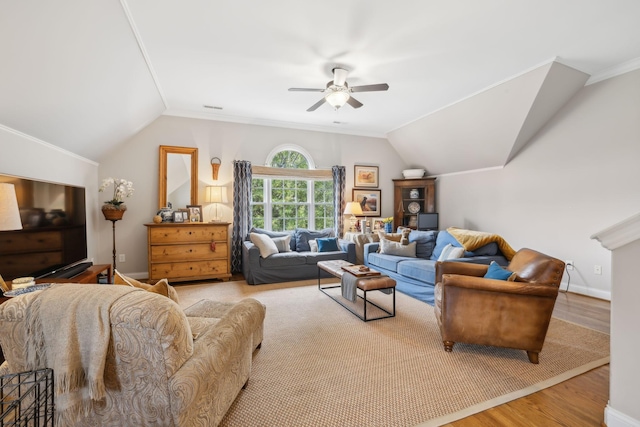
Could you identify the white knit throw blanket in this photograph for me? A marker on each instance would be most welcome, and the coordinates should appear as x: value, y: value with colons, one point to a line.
x: 68, y: 329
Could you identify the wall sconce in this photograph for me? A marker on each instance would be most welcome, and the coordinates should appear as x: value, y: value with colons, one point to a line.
x: 216, y: 194
x: 215, y: 165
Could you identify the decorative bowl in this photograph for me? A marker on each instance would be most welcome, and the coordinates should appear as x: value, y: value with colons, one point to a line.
x: 413, y: 173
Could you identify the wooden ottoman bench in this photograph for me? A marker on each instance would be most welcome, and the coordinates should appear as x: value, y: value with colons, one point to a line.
x: 374, y: 281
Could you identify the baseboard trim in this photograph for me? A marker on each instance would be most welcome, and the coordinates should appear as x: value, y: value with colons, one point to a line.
x: 583, y: 290
x: 614, y: 418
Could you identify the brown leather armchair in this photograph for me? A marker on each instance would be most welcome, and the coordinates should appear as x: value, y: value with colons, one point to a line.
x: 512, y: 314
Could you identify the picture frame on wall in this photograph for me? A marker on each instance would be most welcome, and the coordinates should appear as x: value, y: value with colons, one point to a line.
x: 195, y: 213
x: 369, y: 201
x: 365, y: 176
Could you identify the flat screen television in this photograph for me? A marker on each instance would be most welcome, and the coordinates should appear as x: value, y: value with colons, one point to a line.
x: 427, y: 221
x: 54, y: 230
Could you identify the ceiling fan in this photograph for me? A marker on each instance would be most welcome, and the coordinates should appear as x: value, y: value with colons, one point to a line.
x: 338, y: 92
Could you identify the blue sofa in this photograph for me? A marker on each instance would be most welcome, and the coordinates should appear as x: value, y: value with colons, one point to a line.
x: 416, y: 276
x: 297, y: 264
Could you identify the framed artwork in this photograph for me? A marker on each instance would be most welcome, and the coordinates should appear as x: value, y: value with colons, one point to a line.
x: 195, y: 213
x: 178, y: 216
x: 369, y: 201
x: 365, y: 176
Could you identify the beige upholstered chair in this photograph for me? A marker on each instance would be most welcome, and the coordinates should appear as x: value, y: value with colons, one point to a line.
x: 163, y: 367
x: 512, y: 314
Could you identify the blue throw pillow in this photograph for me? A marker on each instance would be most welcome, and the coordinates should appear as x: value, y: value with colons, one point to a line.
x: 302, y: 237
x: 328, y: 244
x: 496, y: 272
x: 442, y: 240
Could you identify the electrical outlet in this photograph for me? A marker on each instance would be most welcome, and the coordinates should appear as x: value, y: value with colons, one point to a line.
x: 597, y: 269
x: 569, y: 264
x: 122, y: 258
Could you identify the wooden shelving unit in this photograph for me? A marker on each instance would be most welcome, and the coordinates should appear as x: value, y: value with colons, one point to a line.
x: 409, y: 193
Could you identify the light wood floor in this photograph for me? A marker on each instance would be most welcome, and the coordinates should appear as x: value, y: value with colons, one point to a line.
x: 579, y: 401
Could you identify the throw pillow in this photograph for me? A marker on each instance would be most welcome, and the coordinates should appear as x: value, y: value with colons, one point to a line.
x: 496, y: 272
x: 442, y: 240
x: 328, y: 244
x: 283, y: 243
x: 390, y: 247
x: 394, y: 237
x: 264, y: 243
x: 273, y: 234
x: 161, y: 287
x: 313, y: 245
x: 302, y: 237
x: 451, y: 252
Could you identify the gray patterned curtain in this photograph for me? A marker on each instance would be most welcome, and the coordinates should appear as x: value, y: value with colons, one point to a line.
x: 241, y: 211
x: 339, y: 178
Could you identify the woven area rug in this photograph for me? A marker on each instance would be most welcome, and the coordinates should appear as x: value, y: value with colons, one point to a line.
x: 319, y: 365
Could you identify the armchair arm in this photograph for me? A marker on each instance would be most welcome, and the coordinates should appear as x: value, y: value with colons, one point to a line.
x: 349, y: 248
x: 498, y: 286
x: 463, y: 268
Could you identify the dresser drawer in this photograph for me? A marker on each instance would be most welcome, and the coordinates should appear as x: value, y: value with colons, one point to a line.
x: 189, y: 252
x: 188, y: 234
x: 189, y: 270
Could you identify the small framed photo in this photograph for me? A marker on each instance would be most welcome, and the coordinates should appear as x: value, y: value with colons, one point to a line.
x: 365, y: 176
x: 378, y: 224
x: 178, y: 216
x: 369, y: 201
x: 195, y: 213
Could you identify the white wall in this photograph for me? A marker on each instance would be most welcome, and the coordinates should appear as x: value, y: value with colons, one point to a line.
x: 576, y: 176
x: 137, y: 161
x: 27, y: 157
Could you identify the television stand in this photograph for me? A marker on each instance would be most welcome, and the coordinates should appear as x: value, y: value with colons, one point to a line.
x: 90, y: 275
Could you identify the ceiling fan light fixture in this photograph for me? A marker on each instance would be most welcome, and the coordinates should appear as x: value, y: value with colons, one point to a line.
x: 337, y: 98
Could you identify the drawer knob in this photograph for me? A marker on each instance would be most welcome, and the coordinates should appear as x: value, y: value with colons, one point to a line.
x: 212, y: 245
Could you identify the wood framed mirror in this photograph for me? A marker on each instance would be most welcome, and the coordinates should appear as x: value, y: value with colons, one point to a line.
x: 178, y: 178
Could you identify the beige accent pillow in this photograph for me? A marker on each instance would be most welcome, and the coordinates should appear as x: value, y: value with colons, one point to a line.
x: 451, y: 252
x: 282, y: 243
x: 264, y: 243
x: 390, y: 247
x: 313, y: 245
x: 161, y: 287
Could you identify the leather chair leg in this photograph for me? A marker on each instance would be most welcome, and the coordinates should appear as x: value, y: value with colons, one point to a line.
x: 533, y: 357
x: 448, y: 346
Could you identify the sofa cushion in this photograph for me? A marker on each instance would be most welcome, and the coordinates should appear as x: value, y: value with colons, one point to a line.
x: 451, y: 252
x: 444, y: 238
x: 161, y: 287
x: 283, y: 243
x: 274, y: 234
x: 425, y: 242
x: 388, y: 262
x: 302, y: 237
x: 312, y: 258
x: 327, y: 244
x: 421, y: 269
x: 496, y: 272
x: 283, y: 259
x: 265, y: 244
x: 390, y: 247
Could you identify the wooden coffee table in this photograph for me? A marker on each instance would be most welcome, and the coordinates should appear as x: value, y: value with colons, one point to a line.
x: 367, y: 282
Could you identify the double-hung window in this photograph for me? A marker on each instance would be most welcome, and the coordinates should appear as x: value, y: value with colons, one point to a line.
x: 291, y: 194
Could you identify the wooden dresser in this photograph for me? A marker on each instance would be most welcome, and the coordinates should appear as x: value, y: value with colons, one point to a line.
x: 189, y: 251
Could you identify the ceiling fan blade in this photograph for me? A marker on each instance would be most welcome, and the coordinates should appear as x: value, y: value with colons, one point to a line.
x: 370, y: 88
x: 315, y: 106
x: 354, y: 102
x: 339, y: 76
x: 304, y: 89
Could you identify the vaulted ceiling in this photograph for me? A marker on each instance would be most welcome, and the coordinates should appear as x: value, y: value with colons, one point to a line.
x: 87, y: 75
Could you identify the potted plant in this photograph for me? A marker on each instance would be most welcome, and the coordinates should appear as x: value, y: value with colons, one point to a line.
x: 113, y: 209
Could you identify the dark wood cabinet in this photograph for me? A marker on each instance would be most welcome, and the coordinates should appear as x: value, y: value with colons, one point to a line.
x: 411, y: 197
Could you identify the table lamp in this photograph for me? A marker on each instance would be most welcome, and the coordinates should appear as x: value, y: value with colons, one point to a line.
x: 353, y: 209
x: 216, y: 194
x: 9, y: 215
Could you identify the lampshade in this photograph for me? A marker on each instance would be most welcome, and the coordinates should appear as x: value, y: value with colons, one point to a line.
x: 337, y: 99
x: 216, y: 194
x: 9, y: 212
x: 353, y: 208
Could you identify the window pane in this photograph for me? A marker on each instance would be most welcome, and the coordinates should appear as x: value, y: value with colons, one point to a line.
x: 289, y: 159
x: 257, y: 190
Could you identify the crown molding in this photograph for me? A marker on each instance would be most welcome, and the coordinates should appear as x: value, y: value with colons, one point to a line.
x: 619, y: 234
x: 614, y: 71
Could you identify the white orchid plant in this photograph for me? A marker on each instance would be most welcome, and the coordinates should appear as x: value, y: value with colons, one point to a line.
x: 121, y: 189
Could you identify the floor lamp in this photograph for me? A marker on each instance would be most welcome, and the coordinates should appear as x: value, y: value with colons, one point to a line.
x: 9, y: 215
x: 216, y: 194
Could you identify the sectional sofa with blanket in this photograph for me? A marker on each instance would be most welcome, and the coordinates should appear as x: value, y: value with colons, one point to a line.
x: 412, y: 265
x: 295, y: 255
